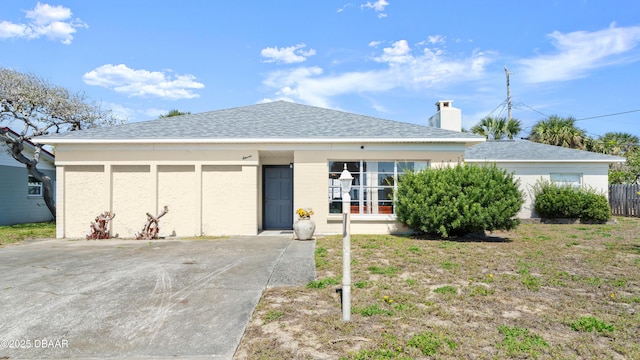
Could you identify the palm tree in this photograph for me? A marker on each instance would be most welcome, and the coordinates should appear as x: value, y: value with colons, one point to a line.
x: 618, y: 143
x: 513, y: 128
x: 497, y: 128
x: 559, y: 131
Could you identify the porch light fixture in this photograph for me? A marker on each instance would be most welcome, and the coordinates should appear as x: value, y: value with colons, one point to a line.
x: 345, y: 184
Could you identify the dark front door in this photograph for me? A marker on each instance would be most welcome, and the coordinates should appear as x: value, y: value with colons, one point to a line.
x: 278, y: 197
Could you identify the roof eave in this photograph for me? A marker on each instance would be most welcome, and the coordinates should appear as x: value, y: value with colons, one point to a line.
x: 546, y: 161
x: 258, y: 141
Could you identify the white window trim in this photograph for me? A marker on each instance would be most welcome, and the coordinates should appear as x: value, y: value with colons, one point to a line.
x: 364, y: 217
x: 36, y: 184
x: 419, y: 165
x: 564, y: 177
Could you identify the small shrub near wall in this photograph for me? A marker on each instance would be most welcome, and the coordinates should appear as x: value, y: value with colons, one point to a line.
x: 559, y: 201
x: 596, y: 207
x: 459, y: 200
x: 553, y: 202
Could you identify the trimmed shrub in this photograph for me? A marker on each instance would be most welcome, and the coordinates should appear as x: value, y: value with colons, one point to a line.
x: 458, y: 200
x: 552, y: 201
x: 560, y: 201
x: 595, y: 207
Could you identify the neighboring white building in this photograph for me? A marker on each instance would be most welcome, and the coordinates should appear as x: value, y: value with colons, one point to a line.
x: 21, y: 198
x: 531, y: 162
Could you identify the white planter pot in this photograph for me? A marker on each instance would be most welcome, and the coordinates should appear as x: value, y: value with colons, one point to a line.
x: 304, y: 229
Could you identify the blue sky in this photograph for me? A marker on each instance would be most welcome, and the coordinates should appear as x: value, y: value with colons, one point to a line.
x: 387, y: 58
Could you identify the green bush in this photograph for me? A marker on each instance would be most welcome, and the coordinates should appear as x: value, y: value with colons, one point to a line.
x: 595, y: 207
x: 559, y: 201
x: 554, y: 201
x: 458, y: 200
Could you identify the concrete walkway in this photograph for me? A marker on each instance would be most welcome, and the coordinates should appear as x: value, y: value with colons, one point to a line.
x: 140, y: 299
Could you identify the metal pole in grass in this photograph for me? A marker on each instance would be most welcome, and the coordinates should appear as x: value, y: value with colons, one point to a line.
x: 345, y: 183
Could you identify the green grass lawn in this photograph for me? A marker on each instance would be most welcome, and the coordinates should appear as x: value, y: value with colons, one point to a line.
x: 539, y: 291
x: 16, y: 233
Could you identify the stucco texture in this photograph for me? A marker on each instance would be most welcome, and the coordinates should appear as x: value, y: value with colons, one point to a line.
x: 83, y: 198
x: 594, y: 176
x: 311, y: 186
x: 213, y: 189
x: 229, y: 203
x: 131, y: 198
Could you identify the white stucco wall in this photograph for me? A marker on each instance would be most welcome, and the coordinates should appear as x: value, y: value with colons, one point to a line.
x: 182, y: 200
x: 229, y: 200
x: 212, y: 189
x: 311, y: 173
x: 594, y: 176
x: 216, y: 189
x: 84, y: 197
x: 132, y: 196
x: 208, y: 192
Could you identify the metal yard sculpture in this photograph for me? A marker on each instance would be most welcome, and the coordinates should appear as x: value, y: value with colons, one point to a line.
x: 151, y: 228
x: 99, y: 229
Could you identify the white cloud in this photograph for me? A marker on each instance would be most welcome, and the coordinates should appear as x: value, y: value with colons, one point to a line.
x: 404, y: 68
x: 44, y: 14
x: 288, y: 55
x: 143, y: 83
x: 436, y: 39
x: 121, y: 112
x: 375, y: 43
x: 578, y: 52
x: 127, y: 114
x: 344, y: 7
x: 52, y: 22
x: 398, y: 53
x: 379, y: 108
x: 270, y: 100
x: 378, y: 6
x: 11, y: 30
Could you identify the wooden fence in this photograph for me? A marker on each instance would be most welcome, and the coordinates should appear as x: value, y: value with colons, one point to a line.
x: 624, y: 200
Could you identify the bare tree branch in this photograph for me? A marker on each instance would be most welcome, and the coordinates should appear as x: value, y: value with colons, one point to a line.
x: 41, y: 108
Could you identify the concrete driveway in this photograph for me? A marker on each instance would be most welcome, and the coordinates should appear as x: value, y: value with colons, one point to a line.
x: 140, y: 299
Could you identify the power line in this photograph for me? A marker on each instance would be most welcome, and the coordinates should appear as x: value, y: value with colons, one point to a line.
x: 521, y: 105
x: 501, y: 105
x: 607, y: 115
x: 518, y: 105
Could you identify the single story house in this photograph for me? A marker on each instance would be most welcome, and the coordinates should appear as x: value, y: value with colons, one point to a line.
x: 21, y: 198
x: 531, y: 162
x: 242, y: 170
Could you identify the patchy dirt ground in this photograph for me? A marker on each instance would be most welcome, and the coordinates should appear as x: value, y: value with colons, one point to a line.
x: 540, y: 291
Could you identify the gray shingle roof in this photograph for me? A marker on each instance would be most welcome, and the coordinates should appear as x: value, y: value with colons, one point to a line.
x: 270, y: 121
x: 524, y: 150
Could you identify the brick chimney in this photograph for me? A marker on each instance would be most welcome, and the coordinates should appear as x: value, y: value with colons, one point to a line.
x: 447, y: 117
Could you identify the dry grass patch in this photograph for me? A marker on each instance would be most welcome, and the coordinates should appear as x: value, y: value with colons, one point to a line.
x: 540, y: 291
